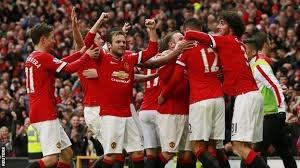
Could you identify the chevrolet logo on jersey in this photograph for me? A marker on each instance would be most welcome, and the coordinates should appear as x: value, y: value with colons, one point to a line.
x: 120, y: 74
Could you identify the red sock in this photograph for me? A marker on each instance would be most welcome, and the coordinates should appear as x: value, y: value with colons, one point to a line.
x: 120, y: 158
x: 163, y: 159
x: 251, y: 156
x: 109, y: 162
x: 200, y: 151
x: 186, y: 161
x: 137, y: 159
x: 41, y: 163
x: 151, y: 157
x: 63, y: 165
x: 213, y: 153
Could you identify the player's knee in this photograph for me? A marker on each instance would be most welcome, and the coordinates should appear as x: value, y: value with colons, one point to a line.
x: 67, y: 154
x: 185, y: 155
x: 51, y: 160
x: 168, y: 155
x: 137, y: 154
x: 152, y: 152
x: 237, y: 147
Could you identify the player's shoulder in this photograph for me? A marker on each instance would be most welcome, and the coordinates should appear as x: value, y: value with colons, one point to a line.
x: 39, y: 56
x: 130, y: 54
x: 196, y: 49
x: 200, y: 46
x: 261, y: 62
x: 222, y: 38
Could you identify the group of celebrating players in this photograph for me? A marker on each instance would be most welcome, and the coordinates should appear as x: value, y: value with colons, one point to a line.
x: 183, y: 111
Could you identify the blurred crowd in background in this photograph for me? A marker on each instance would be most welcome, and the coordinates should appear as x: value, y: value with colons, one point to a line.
x: 280, y: 19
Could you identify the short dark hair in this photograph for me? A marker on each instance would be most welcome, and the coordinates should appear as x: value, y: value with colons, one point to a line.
x: 115, y: 33
x: 193, y: 23
x: 40, y: 30
x: 234, y: 21
x: 261, y: 39
x: 252, y: 42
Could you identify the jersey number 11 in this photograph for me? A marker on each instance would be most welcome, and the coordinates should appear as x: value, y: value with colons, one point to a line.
x: 29, y: 79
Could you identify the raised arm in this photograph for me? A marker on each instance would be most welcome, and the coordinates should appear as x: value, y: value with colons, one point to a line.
x: 152, y: 48
x: 126, y: 27
x: 199, y: 36
x: 170, y: 56
x: 76, y: 65
x: 102, y: 19
x: 75, y: 56
x: 89, y: 39
x: 78, y: 39
x: 79, y: 43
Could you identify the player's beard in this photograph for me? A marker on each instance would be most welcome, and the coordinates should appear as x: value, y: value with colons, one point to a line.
x: 119, y: 52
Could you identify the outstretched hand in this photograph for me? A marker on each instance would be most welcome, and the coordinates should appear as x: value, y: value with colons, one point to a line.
x: 90, y: 73
x: 74, y: 18
x: 126, y: 27
x: 104, y: 17
x: 184, y: 45
x: 150, y: 24
x: 93, y: 52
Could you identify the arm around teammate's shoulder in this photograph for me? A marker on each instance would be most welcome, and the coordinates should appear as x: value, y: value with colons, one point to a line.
x: 76, y: 65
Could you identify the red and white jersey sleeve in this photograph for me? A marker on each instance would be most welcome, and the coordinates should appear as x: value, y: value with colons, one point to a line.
x: 238, y: 78
x: 52, y: 63
x: 40, y: 68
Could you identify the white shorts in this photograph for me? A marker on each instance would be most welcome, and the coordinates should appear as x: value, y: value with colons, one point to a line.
x: 247, y: 120
x: 118, y: 133
x: 137, y: 121
x: 219, y: 144
x: 92, y: 119
x: 207, y: 120
x: 173, y: 133
x: 148, y: 120
x: 52, y: 137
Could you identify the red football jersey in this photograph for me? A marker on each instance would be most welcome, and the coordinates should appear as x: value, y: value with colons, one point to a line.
x: 238, y: 78
x: 202, y: 65
x: 116, y: 83
x: 40, y: 68
x: 151, y: 92
x: 178, y: 99
x: 116, y: 78
x: 89, y: 86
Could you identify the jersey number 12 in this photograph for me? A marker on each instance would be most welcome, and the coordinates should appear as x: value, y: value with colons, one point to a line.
x: 214, y: 67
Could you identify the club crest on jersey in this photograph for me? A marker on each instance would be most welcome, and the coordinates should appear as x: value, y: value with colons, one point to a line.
x: 57, y: 61
x: 113, y: 145
x: 126, y: 66
x: 120, y: 74
x: 172, y: 144
x: 58, y: 145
